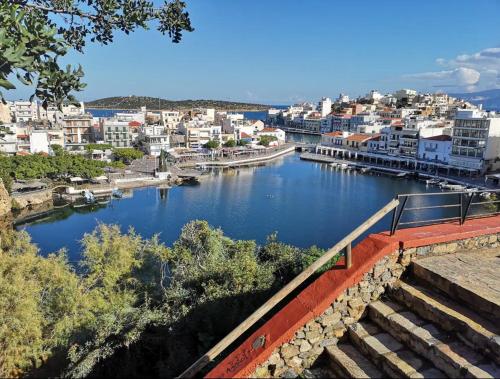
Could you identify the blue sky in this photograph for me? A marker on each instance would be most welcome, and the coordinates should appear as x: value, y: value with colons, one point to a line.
x: 283, y: 51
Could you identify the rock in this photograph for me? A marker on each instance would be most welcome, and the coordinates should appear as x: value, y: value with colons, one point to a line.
x: 305, y: 346
x: 300, y: 334
x: 5, y: 200
x: 295, y: 363
x: 289, y: 351
x: 378, y: 270
x: 313, y: 336
x: 445, y: 248
x: 275, y: 359
x: 262, y: 372
x: 331, y: 319
x: 493, y: 238
x: 328, y: 342
x: 313, y: 325
x: 385, y: 277
x: 289, y: 374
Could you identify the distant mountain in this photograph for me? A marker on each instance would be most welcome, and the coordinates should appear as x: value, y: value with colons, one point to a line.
x: 489, y: 98
x: 153, y: 103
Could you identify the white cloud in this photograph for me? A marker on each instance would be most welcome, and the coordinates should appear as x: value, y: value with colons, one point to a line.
x: 469, y: 72
x: 461, y: 76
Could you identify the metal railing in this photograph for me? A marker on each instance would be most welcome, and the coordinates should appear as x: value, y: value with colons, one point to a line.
x: 444, y: 207
x: 343, y: 246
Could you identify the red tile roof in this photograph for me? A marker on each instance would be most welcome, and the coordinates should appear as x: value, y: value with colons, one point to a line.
x: 362, y: 137
x: 22, y: 136
x: 269, y: 129
x: 333, y: 134
x: 134, y: 124
x: 244, y: 135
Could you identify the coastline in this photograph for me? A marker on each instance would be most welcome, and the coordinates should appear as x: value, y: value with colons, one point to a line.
x: 386, y: 170
x: 181, y: 109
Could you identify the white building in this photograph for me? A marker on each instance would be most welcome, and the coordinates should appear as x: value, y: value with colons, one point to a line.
x: 154, y: 138
x: 325, y: 106
x: 39, y: 141
x: 435, y: 149
x: 171, y: 119
x: 476, y: 141
x: 25, y: 111
x: 374, y: 96
x: 8, y: 139
x: 117, y: 133
x: 273, y: 132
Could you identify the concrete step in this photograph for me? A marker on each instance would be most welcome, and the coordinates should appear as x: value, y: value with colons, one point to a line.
x: 476, y: 331
x: 390, y: 355
x: 347, y: 362
x: 447, y: 353
x: 470, y: 278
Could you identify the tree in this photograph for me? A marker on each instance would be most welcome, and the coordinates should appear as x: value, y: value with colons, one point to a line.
x: 212, y: 144
x: 230, y: 143
x: 127, y: 154
x: 35, y: 34
x: 58, y: 150
x: 265, y: 140
x: 242, y: 142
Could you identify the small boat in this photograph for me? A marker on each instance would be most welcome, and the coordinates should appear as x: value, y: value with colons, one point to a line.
x: 454, y: 187
x: 365, y: 169
x: 401, y: 174
x: 344, y: 166
x: 485, y: 195
x: 117, y: 193
x: 443, y: 184
x: 472, y: 189
x: 433, y: 182
x: 88, y: 196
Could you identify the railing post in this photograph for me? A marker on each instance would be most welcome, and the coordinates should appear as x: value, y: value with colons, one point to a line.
x: 467, y: 206
x: 461, y: 209
x: 348, y: 256
x: 398, y: 212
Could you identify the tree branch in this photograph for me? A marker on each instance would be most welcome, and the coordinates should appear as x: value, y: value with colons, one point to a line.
x: 69, y: 12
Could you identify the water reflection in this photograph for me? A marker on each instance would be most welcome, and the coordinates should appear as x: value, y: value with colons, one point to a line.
x: 306, y: 203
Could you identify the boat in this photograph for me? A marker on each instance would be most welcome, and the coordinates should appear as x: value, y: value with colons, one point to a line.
x: 344, y: 166
x: 88, y: 196
x: 485, y: 195
x: 454, y: 187
x: 433, y: 182
x: 401, y: 174
x: 472, y: 189
x: 443, y: 184
x: 365, y: 169
x: 117, y: 193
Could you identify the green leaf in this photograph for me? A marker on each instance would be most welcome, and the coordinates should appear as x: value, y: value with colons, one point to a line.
x: 6, y: 84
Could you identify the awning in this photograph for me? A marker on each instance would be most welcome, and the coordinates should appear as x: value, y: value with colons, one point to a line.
x: 99, y: 178
x: 76, y: 179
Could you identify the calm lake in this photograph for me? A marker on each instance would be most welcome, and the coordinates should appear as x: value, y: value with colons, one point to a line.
x: 306, y: 203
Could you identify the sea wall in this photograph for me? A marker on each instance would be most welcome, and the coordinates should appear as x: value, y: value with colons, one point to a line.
x: 293, y: 338
x: 33, y: 198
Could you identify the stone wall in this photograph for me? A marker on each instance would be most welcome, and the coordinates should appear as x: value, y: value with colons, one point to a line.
x: 292, y: 358
x: 34, y: 198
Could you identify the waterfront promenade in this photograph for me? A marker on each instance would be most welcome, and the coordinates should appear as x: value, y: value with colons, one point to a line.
x: 478, y: 182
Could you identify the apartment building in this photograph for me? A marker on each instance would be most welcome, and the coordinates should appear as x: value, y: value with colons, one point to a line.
x: 8, y: 139
x: 435, y: 149
x: 476, y: 141
x: 25, y: 111
x: 78, y: 131
x: 117, y: 133
x: 154, y: 139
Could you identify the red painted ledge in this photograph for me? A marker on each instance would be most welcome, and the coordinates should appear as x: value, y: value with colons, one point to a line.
x: 314, y: 299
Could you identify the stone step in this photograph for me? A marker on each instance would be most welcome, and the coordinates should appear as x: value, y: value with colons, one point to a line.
x: 470, y: 278
x: 347, y: 362
x: 447, y: 353
x: 390, y: 355
x: 478, y: 332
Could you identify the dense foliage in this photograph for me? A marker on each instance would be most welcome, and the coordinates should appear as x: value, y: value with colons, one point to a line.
x: 98, y: 146
x: 212, y: 144
x: 135, y: 102
x: 34, y: 34
x: 266, y: 140
x: 230, y: 143
x: 38, y: 166
x: 127, y: 154
x: 134, y: 307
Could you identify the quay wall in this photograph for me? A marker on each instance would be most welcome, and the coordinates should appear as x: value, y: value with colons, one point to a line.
x: 296, y: 335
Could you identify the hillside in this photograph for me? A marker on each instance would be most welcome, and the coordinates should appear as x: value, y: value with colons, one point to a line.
x: 136, y: 102
x: 489, y: 98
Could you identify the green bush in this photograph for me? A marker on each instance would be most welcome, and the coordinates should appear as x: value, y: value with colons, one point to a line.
x: 230, y: 143
x: 212, y: 144
x: 135, y: 307
x: 127, y: 154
